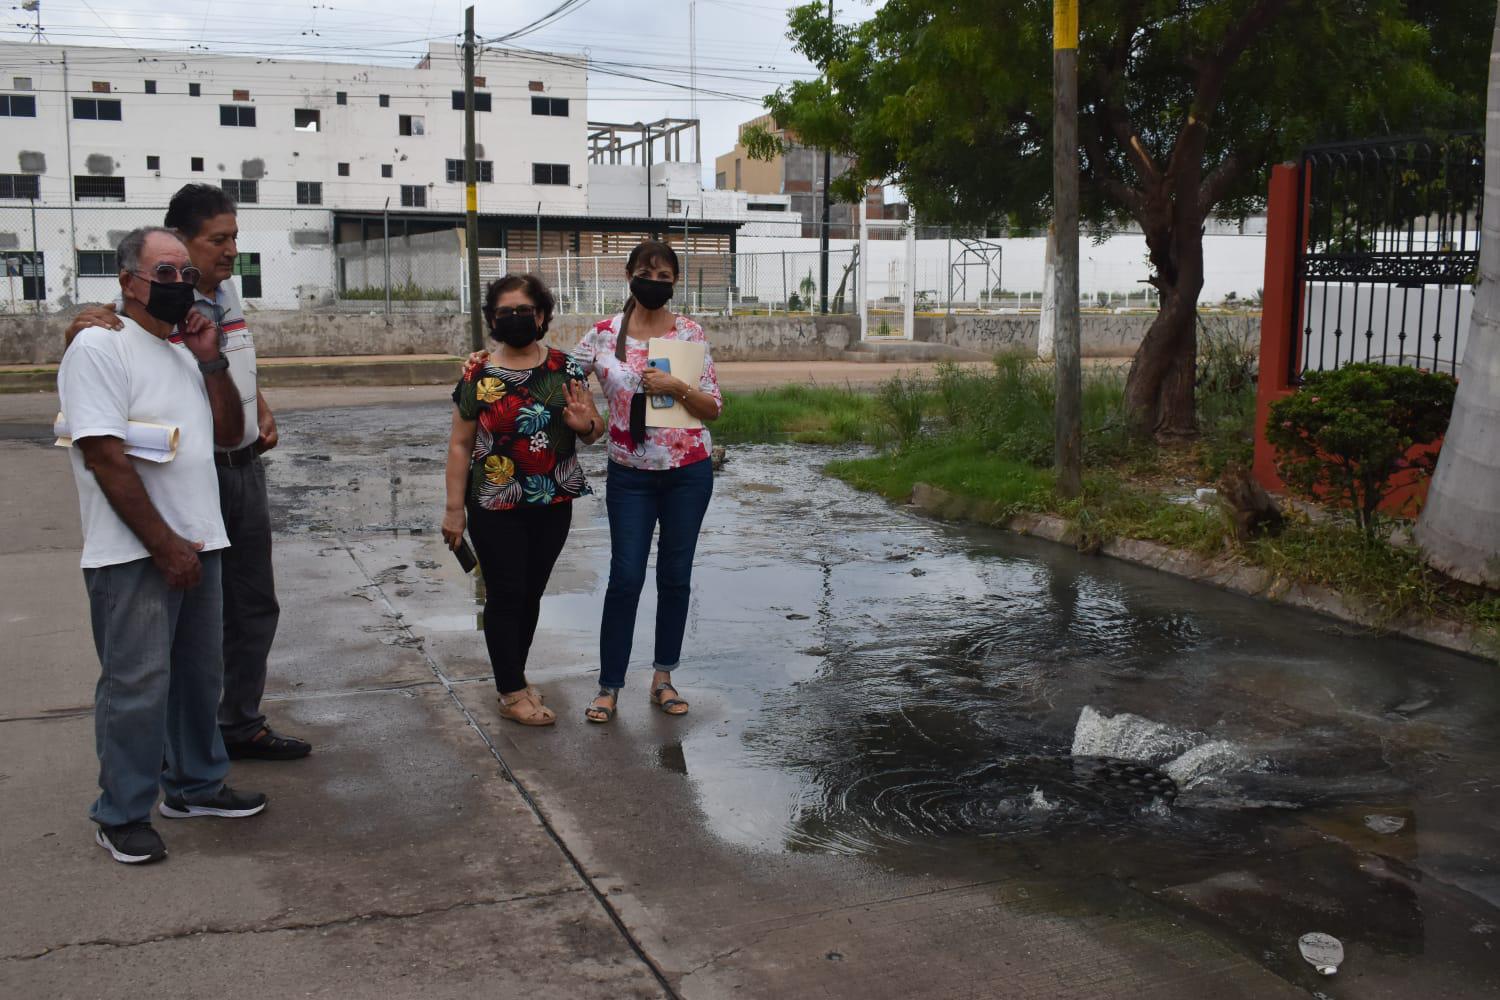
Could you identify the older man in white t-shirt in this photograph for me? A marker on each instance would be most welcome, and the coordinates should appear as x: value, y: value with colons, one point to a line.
x: 153, y: 536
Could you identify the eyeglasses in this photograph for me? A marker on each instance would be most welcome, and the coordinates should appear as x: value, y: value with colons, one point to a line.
x: 501, y: 311
x: 166, y: 273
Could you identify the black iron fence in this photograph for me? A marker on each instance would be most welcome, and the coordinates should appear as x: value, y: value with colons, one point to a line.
x: 1390, y: 252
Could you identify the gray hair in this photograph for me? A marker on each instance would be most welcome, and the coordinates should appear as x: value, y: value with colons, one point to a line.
x: 128, y: 254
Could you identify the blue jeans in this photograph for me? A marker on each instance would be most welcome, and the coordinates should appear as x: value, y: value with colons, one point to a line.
x: 161, y: 654
x: 637, y: 500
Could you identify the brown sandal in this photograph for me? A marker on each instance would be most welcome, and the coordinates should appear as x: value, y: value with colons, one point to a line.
x: 515, y: 708
x: 667, y: 705
x: 603, y: 714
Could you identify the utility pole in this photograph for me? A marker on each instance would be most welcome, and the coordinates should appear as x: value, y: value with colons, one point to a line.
x: 1069, y: 377
x: 823, y: 244
x: 471, y: 189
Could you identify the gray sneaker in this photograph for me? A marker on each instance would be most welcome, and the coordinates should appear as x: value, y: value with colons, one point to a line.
x: 131, y: 843
x: 225, y: 802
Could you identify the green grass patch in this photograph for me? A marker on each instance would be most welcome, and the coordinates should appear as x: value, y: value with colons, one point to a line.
x: 959, y: 465
x: 805, y: 414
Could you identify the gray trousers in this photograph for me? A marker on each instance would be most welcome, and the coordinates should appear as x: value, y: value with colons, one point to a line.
x: 160, y: 654
x: 250, y: 608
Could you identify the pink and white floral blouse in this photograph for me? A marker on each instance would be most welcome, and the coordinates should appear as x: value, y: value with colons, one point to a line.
x: 664, y: 447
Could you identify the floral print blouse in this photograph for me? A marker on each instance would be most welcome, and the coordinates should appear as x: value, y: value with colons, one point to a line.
x: 525, y: 455
x: 664, y: 447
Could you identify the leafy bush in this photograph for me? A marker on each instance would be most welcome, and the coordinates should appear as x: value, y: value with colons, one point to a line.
x: 1347, y: 432
x: 1228, y: 359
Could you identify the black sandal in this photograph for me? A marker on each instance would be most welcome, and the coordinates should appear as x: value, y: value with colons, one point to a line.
x: 667, y: 704
x: 607, y: 711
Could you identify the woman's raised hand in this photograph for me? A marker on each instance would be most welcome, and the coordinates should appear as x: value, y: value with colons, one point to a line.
x: 579, y: 413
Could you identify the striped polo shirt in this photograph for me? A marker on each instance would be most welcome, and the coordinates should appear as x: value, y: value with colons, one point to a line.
x: 224, y: 309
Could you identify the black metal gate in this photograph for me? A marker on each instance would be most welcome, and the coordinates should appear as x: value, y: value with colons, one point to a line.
x: 1386, y: 268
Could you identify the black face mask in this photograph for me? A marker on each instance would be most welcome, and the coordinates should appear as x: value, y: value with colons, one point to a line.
x: 170, y: 301
x: 515, y: 330
x: 651, y: 293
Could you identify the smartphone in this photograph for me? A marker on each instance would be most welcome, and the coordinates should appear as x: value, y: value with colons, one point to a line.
x: 466, y: 557
x: 661, y: 365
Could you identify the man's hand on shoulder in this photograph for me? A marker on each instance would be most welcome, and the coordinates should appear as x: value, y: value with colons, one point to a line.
x: 89, y: 316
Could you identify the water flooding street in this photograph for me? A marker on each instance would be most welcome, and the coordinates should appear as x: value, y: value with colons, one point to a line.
x: 881, y: 705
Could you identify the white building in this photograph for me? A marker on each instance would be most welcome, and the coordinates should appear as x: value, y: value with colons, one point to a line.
x: 322, y: 159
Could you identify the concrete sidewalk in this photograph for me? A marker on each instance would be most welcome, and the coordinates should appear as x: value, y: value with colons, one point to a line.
x: 427, y: 849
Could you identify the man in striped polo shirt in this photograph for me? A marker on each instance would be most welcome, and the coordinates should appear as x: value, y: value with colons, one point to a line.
x: 206, y: 219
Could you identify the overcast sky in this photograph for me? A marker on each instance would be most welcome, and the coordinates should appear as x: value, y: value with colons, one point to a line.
x: 742, y: 50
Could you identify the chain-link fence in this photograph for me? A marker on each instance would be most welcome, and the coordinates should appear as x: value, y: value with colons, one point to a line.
x: 57, y: 257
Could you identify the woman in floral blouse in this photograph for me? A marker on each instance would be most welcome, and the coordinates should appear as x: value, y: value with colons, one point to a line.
x: 519, y: 414
x: 656, y: 475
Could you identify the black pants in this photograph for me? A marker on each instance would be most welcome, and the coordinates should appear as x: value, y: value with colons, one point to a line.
x: 251, y: 611
x: 517, y: 550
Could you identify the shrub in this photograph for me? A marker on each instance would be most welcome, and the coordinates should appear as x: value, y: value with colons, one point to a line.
x: 1346, y: 433
x: 903, y: 401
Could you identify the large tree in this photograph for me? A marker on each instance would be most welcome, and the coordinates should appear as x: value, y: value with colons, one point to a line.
x: 1183, y: 105
x: 1460, y: 526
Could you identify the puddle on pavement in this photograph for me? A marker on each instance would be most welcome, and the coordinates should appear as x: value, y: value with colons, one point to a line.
x: 943, y: 700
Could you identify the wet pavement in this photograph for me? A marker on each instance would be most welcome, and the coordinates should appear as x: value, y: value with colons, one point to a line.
x: 921, y: 760
x: 894, y: 694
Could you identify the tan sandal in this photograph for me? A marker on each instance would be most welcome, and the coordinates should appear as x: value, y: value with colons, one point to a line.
x: 524, y: 708
x: 670, y: 705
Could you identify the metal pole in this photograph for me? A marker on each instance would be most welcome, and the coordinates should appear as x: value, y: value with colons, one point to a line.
x: 538, y: 236
x: 647, y: 139
x: 786, y: 299
x: 950, y: 270
x: 823, y: 241
x: 861, y: 272
x: 1068, y: 449
x: 471, y: 189
x: 909, y: 310
x: 385, y: 225
x: 686, y: 211
x: 38, y: 276
x: 598, y: 289
x: 68, y: 136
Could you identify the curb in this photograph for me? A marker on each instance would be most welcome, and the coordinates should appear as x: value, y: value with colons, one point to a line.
x: 1224, y: 572
x: 424, y: 371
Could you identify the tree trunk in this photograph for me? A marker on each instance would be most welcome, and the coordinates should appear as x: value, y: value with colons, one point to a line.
x: 1159, y: 397
x: 1459, y: 530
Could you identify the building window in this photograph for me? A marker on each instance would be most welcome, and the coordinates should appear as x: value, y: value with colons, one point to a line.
x: 481, y: 100
x: 17, y: 106
x: 19, y: 186
x: 153, y: 163
x: 198, y: 164
x: 31, y: 268
x: 386, y: 170
x: 737, y: 182
x: 307, y: 120
x: 236, y: 115
x: 413, y: 125
x: 554, y: 107
x: 21, y: 83
x: 99, y: 188
x: 92, y: 109
x: 242, y: 95
x: 100, y: 87
x: 309, y: 193
x: 674, y: 205
x: 97, y: 264
x: 247, y: 266
x: 343, y: 170
x: 549, y: 173
x: 765, y: 206
x: 385, y: 100
x: 243, y: 192
x: 719, y: 179
x: 342, y: 97
x: 195, y: 90
x: 413, y: 196
x: 150, y: 86
x: 483, y: 169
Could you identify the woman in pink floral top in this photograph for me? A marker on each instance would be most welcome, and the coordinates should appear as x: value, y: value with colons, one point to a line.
x: 657, y: 475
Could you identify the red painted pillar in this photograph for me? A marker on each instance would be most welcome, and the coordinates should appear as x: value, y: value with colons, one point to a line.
x: 1278, y: 334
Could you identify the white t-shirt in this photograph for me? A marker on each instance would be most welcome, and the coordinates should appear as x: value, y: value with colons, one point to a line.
x: 108, y: 378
